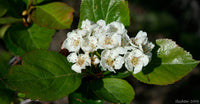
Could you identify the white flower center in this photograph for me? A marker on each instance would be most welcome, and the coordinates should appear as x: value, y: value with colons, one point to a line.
x: 76, y: 43
x: 134, y: 61
x: 81, y: 61
x: 108, y: 41
x: 110, y: 61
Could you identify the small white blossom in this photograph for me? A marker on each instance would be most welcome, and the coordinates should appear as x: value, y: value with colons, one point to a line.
x: 100, y: 29
x: 109, y: 41
x: 116, y: 27
x: 89, y: 44
x: 81, y: 61
x: 111, y: 60
x: 147, y: 48
x: 88, y: 25
x: 136, y: 59
x: 73, y: 41
x: 142, y: 42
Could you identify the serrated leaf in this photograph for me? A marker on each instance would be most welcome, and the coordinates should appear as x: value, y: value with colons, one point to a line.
x: 44, y: 75
x: 20, y: 39
x: 113, y: 90
x: 3, y: 7
x: 108, y: 10
x: 169, y: 64
x: 55, y: 15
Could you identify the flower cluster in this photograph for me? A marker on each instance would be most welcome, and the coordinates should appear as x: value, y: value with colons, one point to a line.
x: 107, y: 45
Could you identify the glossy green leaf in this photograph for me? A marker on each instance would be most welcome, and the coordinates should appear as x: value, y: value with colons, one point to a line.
x: 55, y: 15
x: 169, y: 64
x: 3, y: 7
x: 108, y: 10
x: 78, y: 98
x: 113, y: 90
x: 20, y: 39
x: 9, y: 20
x: 44, y: 75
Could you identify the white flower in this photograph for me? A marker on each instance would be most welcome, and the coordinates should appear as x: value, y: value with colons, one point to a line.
x: 143, y: 44
x: 81, y: 61
x: 100, y: 29
x: 89, y: 44
x: 147, y: 48
x: 109, y: 41
x: 111, y: 60
x: 88, y: 25
x: 136, y: 59
x: 73, y: 41
x: 116, y: 27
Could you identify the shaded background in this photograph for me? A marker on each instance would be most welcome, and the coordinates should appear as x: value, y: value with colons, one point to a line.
x: 178, y: 20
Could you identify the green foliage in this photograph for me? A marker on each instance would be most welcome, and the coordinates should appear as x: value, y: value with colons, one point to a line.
x: 3, y: 29
x: 113, y: 90
x: 4, y: 63
x: 78, y: 98
x: 44, y: 75
x: 108, y: 10
x: 6, y: 96
x: 9, y: 20
x: 55, y: 15
x: 20, y: 39
x: 169, y: 64
x: 3, y: 7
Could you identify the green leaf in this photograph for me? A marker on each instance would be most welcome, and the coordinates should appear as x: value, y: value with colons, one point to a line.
x: 44, y: 75
x: 55, y: 15
x: 4, y: 63
x: 169, y: 64
x: 20, y: 39
x: 9, y: 20
x: 113, y: 90
x: 78, y: 98
x: 108, y: 10
x: 6, y: 96
x: 3, y: 7
x: 3, y: 30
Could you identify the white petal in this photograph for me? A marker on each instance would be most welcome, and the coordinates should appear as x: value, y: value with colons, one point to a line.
x: 144, y: 59
x: 137, y: 68
x: 76, y: 68
x: 101, y: 22
x: 72, y: 57
x: 120, y: 50
x: 141, y: 38
x: 119, y: 61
